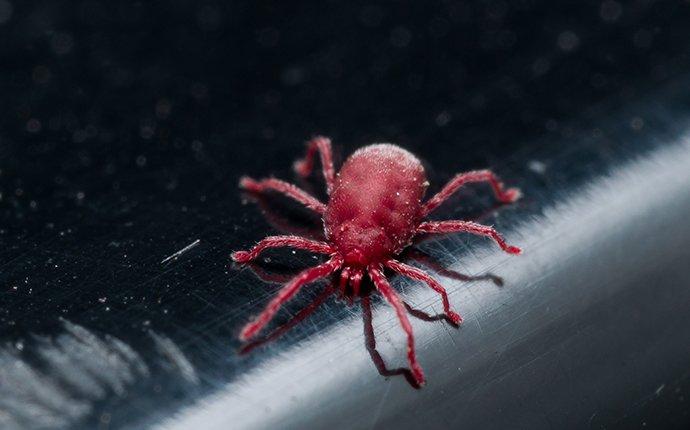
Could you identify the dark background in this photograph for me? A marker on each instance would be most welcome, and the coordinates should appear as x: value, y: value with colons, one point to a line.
x: 125, y: 126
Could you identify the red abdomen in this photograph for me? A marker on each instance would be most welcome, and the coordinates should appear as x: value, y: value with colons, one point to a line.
x: 375, y: 205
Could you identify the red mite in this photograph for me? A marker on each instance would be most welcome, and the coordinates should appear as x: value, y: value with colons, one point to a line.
x: 374, y: 211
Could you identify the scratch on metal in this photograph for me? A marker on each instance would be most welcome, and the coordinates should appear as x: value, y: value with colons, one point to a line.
x: 181, y: 251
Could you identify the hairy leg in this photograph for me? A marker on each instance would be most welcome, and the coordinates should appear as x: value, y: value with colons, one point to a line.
x: 304, y: 166
x: 299, y: 317
x: 284, y: 188
x: 468, y: 227
x: 392, y: 297
x: 356, y: 281
x: 505, y: 196
x: 344, y: 279
x: 370, y: 343
x: 282, y: 241
x: 287, y: 292
x: 414, y: 273
x: 269, y: 276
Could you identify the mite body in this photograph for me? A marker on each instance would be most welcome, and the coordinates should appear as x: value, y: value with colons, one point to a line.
x: 374, y: 211
x: 375, y: 205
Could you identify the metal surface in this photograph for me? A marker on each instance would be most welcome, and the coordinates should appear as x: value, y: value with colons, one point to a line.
x: 130, y: 126
x: 589, y: 328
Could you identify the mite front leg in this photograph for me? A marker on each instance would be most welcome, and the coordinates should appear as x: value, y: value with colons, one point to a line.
x: 467, y: 227
x: 505, y: 196
x: 393, y: 299
x: 286, y: 293
x: 282, y: 187
x: 282, y: 241
x: 304, y: 167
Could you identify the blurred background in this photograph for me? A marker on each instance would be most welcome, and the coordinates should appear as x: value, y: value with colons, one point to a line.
x: 125, y: 127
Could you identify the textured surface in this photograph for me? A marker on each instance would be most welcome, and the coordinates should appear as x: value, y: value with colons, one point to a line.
x: 126, y: 126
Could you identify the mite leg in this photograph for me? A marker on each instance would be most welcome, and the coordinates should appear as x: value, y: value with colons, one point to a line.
x: 287, y: 292
x: 354, y: 278
x: 284, y: 188
x: 505, y: 196
x: 370, y: 343
x: 304, y: 166
x: 282, y: 241
x: 394, y: 300
x: 268, y: 276
x: 299, y: 317
x: 356, y: 281
x: 414, y: 273
x: 344, y: 279
x: 468, y: 227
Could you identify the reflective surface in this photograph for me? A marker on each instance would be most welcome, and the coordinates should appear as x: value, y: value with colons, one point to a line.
x: 130, y: 126
x: 588, y: 328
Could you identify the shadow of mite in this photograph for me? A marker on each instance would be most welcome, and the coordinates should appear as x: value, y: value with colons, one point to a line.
x: 347, y: 295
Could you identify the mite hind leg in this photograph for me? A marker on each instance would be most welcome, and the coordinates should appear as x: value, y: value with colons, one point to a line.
x: 284, y: 188
x: 304, y: 167
x: 286, y: 293
x: 394, y: 300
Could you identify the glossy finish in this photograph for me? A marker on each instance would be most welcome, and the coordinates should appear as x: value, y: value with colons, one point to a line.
x: 129, y: 127
x: 588, y: 329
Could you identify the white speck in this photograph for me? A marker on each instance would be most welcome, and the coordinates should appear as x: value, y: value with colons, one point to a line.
x: 147, y: 129
x: 443, y: 118
x: 568, y: 41
x: 541, y: 66
x: 62, y: 43
x: 537, y: 166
